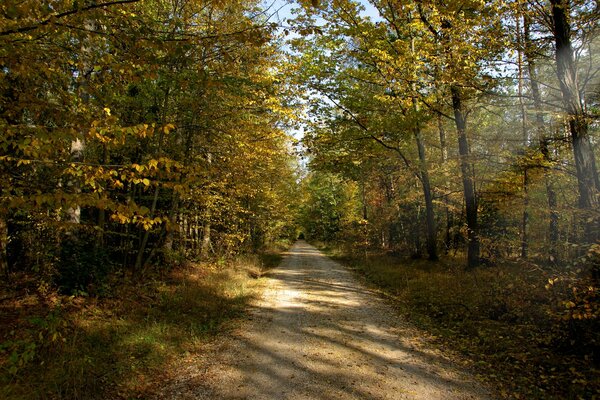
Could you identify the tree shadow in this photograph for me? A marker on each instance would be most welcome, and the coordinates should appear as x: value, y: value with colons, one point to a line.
x: 328, y: 337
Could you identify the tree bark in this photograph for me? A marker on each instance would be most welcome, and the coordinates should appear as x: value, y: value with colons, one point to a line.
x: 542, y: 139
x: 525, y: 132
x: 140, y: 254
x: 4, y: 267
x: 206, y: 239
x: 417, y: 234
x: 468, y: 178
x: 424, y: 175
x: 77, y: 150
x: 429, y: 211
x: 585, y: 161
x: 444, y: 154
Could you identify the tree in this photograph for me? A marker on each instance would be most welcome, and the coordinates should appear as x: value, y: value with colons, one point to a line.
x: 181, y: 109
x: 574, y: 105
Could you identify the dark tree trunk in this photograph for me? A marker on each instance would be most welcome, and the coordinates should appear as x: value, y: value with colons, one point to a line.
x: 417, y: 235
x: 525, y: 217
x: 424, y: 177
x: 139, y: 259
x: 429, y: 212
x: 468, y: 178
x: 4, y: 268
x: 585, y: 162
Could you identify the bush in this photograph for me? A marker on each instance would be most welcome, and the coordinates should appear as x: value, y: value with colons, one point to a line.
x: 83, y: 264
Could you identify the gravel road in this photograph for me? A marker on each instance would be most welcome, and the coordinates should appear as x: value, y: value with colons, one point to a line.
x: 317, y: 333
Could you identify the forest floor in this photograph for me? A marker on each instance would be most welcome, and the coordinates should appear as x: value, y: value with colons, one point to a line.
x: 317, y: 333
x: 126, y: 342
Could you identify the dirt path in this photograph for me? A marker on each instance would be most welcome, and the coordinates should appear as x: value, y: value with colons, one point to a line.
x: 319, y: 334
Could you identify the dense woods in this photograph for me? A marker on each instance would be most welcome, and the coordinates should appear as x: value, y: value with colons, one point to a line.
x: 136, y: 131
x: 137, y: 137
x: 465, y: 131
x: 482, y: 107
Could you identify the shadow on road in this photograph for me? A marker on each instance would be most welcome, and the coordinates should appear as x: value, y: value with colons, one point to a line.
x: 319, y: 334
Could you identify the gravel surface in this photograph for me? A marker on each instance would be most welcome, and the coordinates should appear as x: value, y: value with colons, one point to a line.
x: 317, y: 333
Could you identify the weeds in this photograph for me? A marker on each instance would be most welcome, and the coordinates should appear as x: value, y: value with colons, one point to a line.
x: 120, y: 346
x: 505, y: 319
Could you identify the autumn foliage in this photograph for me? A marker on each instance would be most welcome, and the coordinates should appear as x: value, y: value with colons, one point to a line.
x: 135, y: 131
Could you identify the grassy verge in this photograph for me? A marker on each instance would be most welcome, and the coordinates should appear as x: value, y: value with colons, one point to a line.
x: 120, y: 346
x: 505, y: 320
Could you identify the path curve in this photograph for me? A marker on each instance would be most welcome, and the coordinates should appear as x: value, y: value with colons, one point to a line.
x: 317, y: 333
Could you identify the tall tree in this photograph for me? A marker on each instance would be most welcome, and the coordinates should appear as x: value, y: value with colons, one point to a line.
x: 577, y: 119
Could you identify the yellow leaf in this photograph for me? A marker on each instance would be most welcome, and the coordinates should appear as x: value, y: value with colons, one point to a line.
x: 168, y: 128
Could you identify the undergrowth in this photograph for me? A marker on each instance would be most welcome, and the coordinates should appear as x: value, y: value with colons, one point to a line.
x: 120, y: 345
x: 516, y: 327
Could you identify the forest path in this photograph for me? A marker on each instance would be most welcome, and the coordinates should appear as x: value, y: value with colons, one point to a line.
x: 317, y: 333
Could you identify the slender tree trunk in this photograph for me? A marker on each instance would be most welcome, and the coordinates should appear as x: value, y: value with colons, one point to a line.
x: 101, y: 209
x: 139, y: 261
x: 524, y: 129
x: 206, y: 239
x: 185, y: 226
x: 140, y: 254
x: 444, y: 154
x: 363, y: 197
x: 169, y: 236
x: 173, y: 212
x: 543, y: 141
x: 424, y: 175
x: 4, y: 267
x: 525, y: 217
x: 77, y: 149
x: 468, y: 178
x: 417, y: 234
x: 78, y: 145
x: 206, y: 230
x: 585, y: 161
x: 429, y: 212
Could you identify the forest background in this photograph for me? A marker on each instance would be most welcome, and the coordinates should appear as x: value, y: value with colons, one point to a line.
x: 148, y: 173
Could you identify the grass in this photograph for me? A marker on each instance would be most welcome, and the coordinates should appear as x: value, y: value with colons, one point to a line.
x: 505, y: 320
x: 120, y: 346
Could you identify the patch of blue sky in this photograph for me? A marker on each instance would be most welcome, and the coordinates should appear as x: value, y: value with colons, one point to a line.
x: 281, y: 10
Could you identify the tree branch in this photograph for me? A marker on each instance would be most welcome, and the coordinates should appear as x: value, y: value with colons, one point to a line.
x: 53, y: 17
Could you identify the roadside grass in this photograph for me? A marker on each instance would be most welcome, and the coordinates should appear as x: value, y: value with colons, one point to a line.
x: 121, y: 345
x: 509, y: 325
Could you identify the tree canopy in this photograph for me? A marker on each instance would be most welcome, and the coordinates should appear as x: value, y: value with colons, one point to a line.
x: 136, y: 135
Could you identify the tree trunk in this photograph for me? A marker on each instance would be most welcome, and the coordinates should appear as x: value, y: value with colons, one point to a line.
x: 468, y: 178
x: 525, y: 132
x: 424, y: 176
x: 4, y: 268
x: 140, y: 254
x: 206, y: 238
x: 444, y: 154
x: 429, y: 212
x: 525, y: 217
x: 543, y: 141
x: 78, y: 145
x: 175, y: 201
x: 77, y: 150
x: 585, y: 162
x: 417, y: 234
